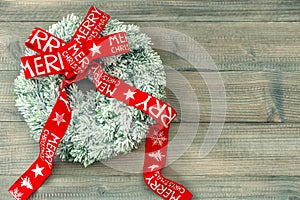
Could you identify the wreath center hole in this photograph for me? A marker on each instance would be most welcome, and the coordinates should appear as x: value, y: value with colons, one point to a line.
x: 85, y: 85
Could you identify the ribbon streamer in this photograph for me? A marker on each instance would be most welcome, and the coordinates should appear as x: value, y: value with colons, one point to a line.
x: 74, y: 60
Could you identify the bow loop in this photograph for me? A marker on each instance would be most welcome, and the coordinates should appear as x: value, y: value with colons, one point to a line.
x: 55, y: 56
x: 91, y: 26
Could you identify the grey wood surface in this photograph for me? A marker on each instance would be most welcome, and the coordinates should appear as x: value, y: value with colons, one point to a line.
x: 255, y: 45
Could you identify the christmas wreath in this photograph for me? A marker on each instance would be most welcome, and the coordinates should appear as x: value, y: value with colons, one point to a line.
x: 101, y: 127
x: 112, y: 119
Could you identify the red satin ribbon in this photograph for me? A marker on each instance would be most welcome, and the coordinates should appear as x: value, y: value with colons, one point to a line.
x: 75, y: 61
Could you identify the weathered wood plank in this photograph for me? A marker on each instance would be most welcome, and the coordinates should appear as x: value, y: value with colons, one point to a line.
x: 240, y: 46
x: 175, y: 10
x: 108, y: 187
x: 232, y: 46
x: 255, y: 149
x: 248, y: 95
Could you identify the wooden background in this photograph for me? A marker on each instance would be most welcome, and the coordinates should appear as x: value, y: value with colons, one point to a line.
x: 255, y: 45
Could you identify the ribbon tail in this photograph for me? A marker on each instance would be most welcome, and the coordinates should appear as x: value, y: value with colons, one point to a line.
x: 50, y: 138
x: 25, y: 186
x: 157, y: 137
x: 155, y: 159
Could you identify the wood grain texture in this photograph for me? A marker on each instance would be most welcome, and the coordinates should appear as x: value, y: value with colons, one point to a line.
x: 175, y: 10
x: 249, y: 161
x: 250, y: 96
x: 244, y: 149
x: 244, y: 46
x: 132, y: 187
x: 255, y: 46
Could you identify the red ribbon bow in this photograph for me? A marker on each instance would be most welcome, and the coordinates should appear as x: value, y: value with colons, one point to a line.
x: 74, y: 60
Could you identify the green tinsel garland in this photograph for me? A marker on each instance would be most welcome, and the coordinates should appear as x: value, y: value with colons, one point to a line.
x: 101, y: 128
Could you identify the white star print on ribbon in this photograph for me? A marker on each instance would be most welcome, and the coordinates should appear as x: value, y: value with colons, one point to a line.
x: 129, y: 94
x: 95, y: 49
x: 38, y: 171
x: 59, y: 118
